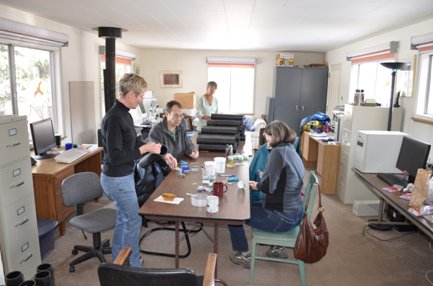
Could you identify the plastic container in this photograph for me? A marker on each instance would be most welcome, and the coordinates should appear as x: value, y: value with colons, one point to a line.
x: 46, y: 231
x: 198, y: 200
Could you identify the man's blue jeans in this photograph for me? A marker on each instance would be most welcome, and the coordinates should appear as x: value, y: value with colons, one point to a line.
x: 128, y: 221
x: 266, y: 220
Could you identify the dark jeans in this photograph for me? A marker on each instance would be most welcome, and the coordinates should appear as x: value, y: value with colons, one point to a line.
x: 266, y: 220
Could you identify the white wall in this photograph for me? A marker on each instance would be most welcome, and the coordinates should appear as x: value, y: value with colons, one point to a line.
x: 193, y: 65
x: 79, y: 61
x: 418, y: 130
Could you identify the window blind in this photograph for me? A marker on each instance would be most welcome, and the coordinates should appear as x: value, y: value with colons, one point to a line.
x: 422, y: 43
x: 21, y: 32
x: 231, y: 62
x: 379, y: 52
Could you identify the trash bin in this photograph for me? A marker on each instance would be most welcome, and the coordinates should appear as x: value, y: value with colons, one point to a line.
x: 46, y: 229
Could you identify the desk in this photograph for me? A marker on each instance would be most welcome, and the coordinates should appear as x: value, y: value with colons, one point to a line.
x: 375, y: 185
x: 47, y: 177
x: 234, y: 206
x: 325, y: 158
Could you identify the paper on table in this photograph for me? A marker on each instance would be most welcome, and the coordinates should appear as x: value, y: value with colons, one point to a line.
x: 176, y: 200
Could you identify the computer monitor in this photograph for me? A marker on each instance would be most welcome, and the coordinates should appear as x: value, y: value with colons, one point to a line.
x: 43, y: 137
x: 413, y: 155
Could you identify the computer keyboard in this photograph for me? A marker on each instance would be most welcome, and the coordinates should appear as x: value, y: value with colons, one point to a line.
x: 70, y: 155
x: 392, y: 179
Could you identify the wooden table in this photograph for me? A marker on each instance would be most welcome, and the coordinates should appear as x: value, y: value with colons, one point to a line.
x: 47, y: 177
x: 375, y: 185
x: 325, y: 157
x: 234, y: 206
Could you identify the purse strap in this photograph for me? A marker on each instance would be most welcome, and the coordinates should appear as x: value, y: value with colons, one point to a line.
x: 320, y: 207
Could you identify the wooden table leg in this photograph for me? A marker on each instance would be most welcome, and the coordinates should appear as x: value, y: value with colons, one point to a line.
x: 61, y: 228
x: 176, y: 250
x: 215, y: 246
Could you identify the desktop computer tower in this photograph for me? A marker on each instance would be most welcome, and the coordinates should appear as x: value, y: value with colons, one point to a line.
x: 377, y: 151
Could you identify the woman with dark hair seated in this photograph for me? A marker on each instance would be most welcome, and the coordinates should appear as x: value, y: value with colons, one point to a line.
x: 281, y: 183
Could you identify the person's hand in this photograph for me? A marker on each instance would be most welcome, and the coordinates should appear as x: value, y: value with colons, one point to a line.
x: 194, y: 154
x: 206, y: 117
x: 253, y: 186
x: 260, y: 173
x: 151, y: 147
x: 170, y: 160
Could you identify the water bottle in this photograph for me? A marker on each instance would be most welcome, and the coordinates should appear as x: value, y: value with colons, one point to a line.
x: 362, y: 99
x: 357, y: 97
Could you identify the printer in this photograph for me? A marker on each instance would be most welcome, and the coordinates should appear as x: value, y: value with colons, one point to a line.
x: 377, y: 151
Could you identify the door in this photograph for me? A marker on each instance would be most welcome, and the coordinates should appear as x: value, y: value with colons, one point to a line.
x: 287, y: 94
x: 313, y: 91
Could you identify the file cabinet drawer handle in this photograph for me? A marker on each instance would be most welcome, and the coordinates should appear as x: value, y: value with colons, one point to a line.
x: 17, y: 185
x: 26, y: 259
x: 21, y: 223
x: 13, y: 144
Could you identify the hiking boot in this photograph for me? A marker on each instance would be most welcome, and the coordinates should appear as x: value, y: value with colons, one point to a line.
x: 277, y: 252
x: 241, y: 258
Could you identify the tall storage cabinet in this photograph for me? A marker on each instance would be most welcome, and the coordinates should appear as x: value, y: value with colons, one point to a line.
x: 299, y: 92
x: 356, y: 118
x: 19, y: 241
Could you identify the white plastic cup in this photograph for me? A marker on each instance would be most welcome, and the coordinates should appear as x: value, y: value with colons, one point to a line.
x: 212, y: 204
x: 209, y: 167
x: 220, y: 165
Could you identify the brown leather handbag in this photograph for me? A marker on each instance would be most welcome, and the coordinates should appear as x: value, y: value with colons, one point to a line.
x: 312, y: 241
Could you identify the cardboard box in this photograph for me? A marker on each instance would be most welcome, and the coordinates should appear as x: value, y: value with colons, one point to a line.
x: 187, y: 99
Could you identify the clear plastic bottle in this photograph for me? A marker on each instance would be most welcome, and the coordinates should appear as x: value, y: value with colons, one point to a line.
x: 357, y: 97
x: 362, y: 99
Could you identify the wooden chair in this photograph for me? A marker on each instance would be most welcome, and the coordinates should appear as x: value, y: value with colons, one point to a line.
x: 116, y: 273
x: 285, y: 239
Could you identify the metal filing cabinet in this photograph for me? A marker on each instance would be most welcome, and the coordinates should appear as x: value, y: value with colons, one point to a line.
x: 19, y: 241
x: 355, y: 118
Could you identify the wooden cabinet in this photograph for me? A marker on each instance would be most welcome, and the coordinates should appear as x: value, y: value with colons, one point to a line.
x: 299, y: 92
x: 323, y: 156
x: 47, y: 178
x: 19, y: 240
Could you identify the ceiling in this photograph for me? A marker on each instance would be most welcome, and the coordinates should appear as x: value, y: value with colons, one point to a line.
x: 267, y: 25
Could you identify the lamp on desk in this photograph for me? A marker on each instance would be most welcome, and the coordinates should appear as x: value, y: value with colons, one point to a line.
x: 394, y: 66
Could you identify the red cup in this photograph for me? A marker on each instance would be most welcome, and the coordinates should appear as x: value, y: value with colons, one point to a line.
x: 219, y: 188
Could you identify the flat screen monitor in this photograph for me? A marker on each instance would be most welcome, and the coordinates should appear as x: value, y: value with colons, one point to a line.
x: 43, y: 137
x: 413, y: 156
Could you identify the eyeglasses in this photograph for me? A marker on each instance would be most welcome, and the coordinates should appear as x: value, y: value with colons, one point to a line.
x: 175, y: 115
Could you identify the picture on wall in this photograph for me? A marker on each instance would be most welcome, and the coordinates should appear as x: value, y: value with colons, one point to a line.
x: 171, y: 78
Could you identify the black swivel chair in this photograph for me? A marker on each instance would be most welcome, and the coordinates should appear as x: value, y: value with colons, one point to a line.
x: 77, y: 190
x: 114, y: 274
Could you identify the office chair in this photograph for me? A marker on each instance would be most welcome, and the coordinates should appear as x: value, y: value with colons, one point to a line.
x: 77, y: 190
x: 285, y: 239
x: 116, y: 273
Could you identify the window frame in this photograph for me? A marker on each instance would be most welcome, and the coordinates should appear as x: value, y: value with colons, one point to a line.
x: 424, y: 89
x: 54, y: 58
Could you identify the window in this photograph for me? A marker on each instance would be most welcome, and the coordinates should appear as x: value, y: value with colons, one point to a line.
x: 425, y: 88
x: 235, y: 78
x: 424, y: 45
x: 368, y: 74
x: 374, y: 79
x: 29, y: 59
x: 27, y: 82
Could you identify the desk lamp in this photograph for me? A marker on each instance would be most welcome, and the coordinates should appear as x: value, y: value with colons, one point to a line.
x: 394, y: 66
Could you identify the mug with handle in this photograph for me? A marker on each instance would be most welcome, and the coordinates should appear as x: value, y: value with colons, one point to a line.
x: 219, y: 188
